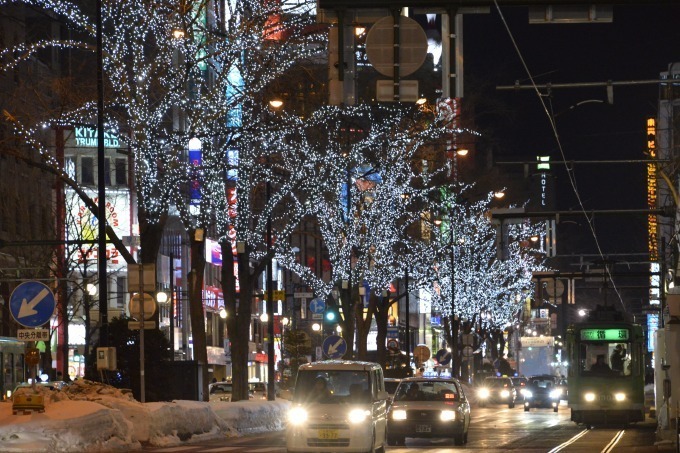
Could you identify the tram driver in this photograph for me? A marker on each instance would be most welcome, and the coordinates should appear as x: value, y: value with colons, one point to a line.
x: 600, y: 366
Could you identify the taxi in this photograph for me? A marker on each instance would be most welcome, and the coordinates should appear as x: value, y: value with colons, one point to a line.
x: 428, y: 407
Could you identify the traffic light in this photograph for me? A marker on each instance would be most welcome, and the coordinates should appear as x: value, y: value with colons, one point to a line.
x: 331, y: 314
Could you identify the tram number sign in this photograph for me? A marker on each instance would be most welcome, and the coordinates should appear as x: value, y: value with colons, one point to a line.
x: 604, y: 334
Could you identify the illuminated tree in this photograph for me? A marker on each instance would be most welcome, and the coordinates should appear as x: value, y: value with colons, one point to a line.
x: 177, y: 72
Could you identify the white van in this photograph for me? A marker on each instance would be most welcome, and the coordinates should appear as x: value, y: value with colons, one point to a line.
x: 338, y: 406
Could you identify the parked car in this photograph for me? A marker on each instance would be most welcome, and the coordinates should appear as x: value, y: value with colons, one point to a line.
x: 497, y: 390
x: 430, y: 407
x: 219, y: 391
x: 542, y: 391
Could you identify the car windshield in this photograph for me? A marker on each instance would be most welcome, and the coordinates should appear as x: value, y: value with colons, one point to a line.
x: 427, y: 391
x: 491, y: 382
x: 542, y: 383
x: 518, y: 382
x: 332, y: 387
x: 220, y: 388
x: 391, y: 387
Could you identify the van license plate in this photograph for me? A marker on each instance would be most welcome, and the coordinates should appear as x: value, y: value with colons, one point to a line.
x: 328, y: 434
x: 423, y: 428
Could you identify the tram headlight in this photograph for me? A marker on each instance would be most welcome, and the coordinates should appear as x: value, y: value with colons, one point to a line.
x: 619, y: 396
x: 590, y: 397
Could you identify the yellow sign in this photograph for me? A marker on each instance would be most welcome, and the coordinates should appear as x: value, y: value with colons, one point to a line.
x: 278, y: 294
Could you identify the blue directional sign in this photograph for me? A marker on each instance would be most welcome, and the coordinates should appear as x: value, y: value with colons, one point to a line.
x: 392, y: 332
x: 443, y: 357
x: 32, y: 304
x: 334, y: 347
x: 317, y: 306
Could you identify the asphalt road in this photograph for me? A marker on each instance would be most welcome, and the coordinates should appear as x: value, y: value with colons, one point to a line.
x: 493, y: 429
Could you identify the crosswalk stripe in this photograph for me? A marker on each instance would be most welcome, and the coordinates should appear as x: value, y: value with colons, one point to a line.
x: 265, y: 450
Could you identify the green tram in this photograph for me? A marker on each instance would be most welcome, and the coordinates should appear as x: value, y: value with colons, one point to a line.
x: 606, y: 372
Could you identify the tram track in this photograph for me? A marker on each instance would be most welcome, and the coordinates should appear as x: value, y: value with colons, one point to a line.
x: 602, y: 438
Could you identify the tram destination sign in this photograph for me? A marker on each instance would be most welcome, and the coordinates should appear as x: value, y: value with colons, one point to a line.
x: 604, y: 334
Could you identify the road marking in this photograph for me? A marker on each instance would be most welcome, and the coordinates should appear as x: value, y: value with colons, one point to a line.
x: 181, y: 448
x: 265, y: 450
x: 610, y: 446
x: 569, y: 442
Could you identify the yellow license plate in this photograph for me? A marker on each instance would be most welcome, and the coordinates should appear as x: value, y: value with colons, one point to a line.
x: 328, y: 434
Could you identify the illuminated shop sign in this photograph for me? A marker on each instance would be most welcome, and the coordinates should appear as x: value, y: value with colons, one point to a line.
x: 86, y: 137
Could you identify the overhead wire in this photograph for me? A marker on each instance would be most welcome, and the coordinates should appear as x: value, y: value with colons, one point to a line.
x: 570, y: 171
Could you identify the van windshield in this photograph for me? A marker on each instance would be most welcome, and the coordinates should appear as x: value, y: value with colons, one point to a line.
x: 332, y: 387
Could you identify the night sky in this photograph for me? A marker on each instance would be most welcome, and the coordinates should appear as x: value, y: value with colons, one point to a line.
x: 638, y: 45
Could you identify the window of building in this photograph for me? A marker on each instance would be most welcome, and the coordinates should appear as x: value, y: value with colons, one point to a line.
x: 121, y: 172
x: 87, y: 170
x: 121, y: 291
x: 107, y: 171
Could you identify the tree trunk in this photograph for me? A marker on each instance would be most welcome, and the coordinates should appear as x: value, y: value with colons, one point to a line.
x: 196, y: 314
x: 381, y: 318
x: 238, y: 317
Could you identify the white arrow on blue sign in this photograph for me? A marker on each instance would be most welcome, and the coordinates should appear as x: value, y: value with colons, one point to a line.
x: 32, y: 304
x: 334, y: 347
x: 443, y: 357
x: 317, y: 306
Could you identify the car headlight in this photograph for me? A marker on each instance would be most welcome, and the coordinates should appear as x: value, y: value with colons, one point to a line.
x: 447, y: 416
x: 399, y: 414
x: 358, y: 415
x: 619, y: 396
x: 527, y: 394
x: 483, y: 393
x: 554, y: 394
x: 590, y: 396
x: 297, y: 416
x: 505, y: 393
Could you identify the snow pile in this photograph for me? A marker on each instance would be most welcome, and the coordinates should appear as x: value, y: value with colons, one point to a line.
x: 93, y: 417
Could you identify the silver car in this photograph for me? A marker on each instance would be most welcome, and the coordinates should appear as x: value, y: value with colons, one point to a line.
x: 428, y: 407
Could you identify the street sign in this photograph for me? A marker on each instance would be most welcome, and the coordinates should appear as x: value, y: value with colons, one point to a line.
x: 467, y: 351
x: 334, y: 347
x: 317, y: 306
x: 468, y: 339
x: 148, y: 277
x: 443, y: 357
x: 393, y: 332
x: 277, y: 294
x: 392, y: 344
x: 32, y: 304
x: 421, y: 353
x: 136, y: 325
x: 136, y: 308
x: 305, y: 295
x: 33, y: 334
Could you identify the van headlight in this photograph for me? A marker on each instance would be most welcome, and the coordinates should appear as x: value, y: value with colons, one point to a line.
x: 483, y: 393
x: 447, y: 416
x: 505, y: 393
x: 297, y: 416
x: 554, y: 394
x: 358, y: 415
x: 527, y: 394
x: 620, y: 396
x: 590, y: 397
x: 399, y: 414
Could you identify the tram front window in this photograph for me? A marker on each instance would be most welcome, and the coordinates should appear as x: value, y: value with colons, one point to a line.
x: 605, y: 359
